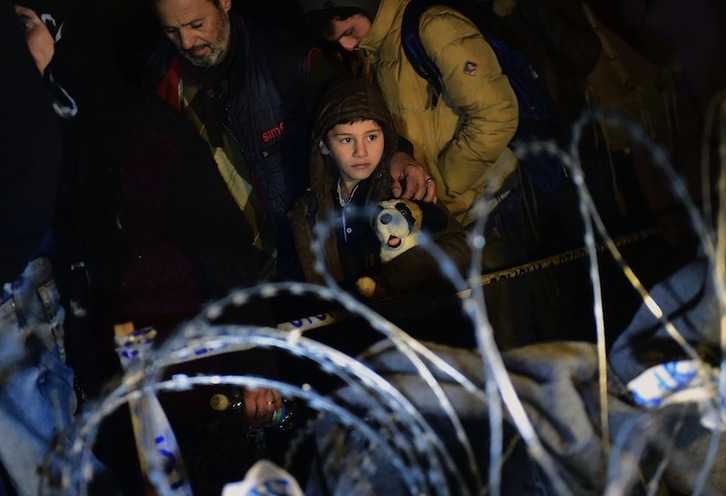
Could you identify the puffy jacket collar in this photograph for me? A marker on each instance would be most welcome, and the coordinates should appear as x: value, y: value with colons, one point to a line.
x: 388, y: 12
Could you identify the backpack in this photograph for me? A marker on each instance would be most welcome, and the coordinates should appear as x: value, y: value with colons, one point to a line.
x: 536, y: 117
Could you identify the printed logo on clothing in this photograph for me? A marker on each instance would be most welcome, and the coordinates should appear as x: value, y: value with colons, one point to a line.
x: 470, y: 68
x: 273, y: 133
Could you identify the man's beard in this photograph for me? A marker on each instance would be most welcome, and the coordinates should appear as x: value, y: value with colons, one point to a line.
x: 217, y: 50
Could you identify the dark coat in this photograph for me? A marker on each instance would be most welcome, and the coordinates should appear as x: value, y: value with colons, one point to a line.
x: 31, y: 145
x: 558, y: 40
x: 187, y: 239
x: 267, y: 112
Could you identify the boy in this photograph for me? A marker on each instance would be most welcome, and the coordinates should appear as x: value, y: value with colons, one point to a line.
x: 350, y: 150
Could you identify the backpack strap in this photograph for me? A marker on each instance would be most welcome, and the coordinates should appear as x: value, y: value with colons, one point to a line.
x: 414, y: 50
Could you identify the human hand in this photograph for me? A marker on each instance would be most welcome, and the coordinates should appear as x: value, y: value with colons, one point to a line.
x: 37, y: 36
x: 260, y: 406
x: 419, y: 184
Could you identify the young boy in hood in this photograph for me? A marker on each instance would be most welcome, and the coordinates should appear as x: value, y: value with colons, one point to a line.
x: 352, y: 142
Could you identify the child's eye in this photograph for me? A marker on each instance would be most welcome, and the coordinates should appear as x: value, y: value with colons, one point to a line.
x: 372, y: 137
x: 345, y: 140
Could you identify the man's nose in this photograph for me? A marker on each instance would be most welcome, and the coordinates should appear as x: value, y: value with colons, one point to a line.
x: 186, y: 40
x: 348, y: 43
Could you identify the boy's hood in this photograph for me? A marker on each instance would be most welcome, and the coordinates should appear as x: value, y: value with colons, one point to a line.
x: 347, y: 101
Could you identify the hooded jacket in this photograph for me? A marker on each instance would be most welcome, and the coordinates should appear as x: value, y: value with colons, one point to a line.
x: 463, y: 139
x: 346, y: 102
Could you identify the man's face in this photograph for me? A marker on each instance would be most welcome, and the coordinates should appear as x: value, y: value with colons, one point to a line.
x: 199, y: 29
x: 348, y: 32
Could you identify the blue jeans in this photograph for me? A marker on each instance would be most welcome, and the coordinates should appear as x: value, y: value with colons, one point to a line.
x: 37, y: 399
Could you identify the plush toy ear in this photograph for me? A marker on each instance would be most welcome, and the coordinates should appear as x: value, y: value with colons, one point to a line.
x: 434, y: 218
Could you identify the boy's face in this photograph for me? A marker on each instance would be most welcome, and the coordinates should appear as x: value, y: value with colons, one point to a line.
x: 356, y: 149
x: 199, y: 29
x: 348, y: 32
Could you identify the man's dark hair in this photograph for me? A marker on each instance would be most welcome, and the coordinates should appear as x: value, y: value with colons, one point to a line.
x: 319, y: 23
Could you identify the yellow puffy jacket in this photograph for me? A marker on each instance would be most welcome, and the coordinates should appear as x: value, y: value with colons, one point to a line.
x: 463, y: 139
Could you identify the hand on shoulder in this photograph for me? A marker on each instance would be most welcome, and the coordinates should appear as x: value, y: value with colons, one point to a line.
x: 419, y: 184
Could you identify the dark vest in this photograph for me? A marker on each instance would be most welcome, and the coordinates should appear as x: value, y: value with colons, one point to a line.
x: 268, y: 116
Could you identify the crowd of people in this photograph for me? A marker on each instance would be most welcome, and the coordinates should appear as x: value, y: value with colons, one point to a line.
x: 138, y: 185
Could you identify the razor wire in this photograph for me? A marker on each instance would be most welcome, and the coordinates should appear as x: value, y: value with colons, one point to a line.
x: 414, y: 448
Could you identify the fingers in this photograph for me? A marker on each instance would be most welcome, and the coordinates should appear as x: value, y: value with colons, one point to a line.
x: 431, y: 191
x: 397, y: 164
x: 416, y: 185
x: 419, y: 185
x: 405, y: 168
x: 251, y: 406
x: 274, y: 399
x: 415, y: 179
x: 260, y: 406
x: 396, y: 188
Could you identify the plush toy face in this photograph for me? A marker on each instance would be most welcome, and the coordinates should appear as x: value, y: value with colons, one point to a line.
x: 398, y: 225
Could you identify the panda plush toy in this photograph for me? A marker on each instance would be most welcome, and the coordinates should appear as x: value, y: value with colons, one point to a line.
x: 398, y: 227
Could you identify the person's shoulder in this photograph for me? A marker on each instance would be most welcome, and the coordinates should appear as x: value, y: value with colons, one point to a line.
x: 445, y: 21
x: 289, y: 47
x: 155, y: 62
x: 294, y: 59
x: 283, y: 42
